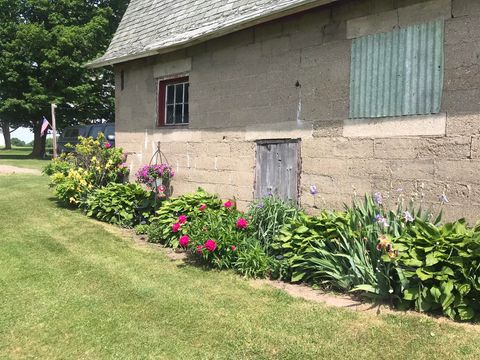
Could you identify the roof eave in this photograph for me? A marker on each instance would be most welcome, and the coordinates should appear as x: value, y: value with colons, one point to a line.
x: 249, y: 22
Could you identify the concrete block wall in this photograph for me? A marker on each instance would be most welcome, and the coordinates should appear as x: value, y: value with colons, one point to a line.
x: 289, y: 78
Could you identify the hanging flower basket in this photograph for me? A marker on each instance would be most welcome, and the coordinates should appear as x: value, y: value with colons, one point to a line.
x: 157, y: 178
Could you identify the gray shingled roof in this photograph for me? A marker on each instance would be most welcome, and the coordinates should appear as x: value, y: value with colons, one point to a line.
x: 150, y: 27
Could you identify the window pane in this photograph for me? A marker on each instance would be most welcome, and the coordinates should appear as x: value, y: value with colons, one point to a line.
x: 169, y: 115
x: 185, y: 114
x: 187, y: 85
x: 178, y: 114
x: 179, y: 93
x: 170, y: 94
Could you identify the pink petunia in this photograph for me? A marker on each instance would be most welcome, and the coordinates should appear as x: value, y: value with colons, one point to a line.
x: 242, y: 224
x: 210, y: 245
x: 228, y: 204
x: 107, y: 145
x: 184, y: 240
x: 176, y: 227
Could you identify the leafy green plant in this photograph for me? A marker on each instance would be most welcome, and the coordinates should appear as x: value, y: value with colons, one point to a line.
x: 267, y: 216
x: 160, y: 230
x: 62, y: 164
x: 348, y: 251
x: 92, y: 164
x: 141, y: 229
x: 252, y: 261
x: 219, y: 227
x: 120, y: 204
x: 438, y: 269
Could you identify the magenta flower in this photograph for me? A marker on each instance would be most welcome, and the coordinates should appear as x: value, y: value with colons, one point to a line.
x: 202, y: 207
x: 199, y: 249
x: 210, y: 245
x: 107, y: 145
x: 184, y: 240
x: 228, y: 204
x: 176, y: 227
x: 182, y: 219
x: 242, y: 224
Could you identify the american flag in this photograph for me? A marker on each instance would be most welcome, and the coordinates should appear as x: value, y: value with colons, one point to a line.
x: 45, y: 125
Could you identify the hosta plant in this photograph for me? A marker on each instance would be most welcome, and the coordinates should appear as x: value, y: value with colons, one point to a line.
x: 439, y: 269
x: 120, y: 204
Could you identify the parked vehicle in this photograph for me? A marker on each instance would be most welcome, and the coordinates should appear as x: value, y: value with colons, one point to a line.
x: 108, y: 130
x: 70, y: 134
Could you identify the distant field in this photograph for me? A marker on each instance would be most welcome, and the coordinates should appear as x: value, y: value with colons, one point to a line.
x: 20, y: 156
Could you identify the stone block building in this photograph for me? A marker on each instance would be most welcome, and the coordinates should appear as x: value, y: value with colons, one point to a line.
x: 247, y: 97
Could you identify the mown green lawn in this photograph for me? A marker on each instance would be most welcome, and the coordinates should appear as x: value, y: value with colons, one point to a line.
x: 20, y: 156
x: 69, y: 289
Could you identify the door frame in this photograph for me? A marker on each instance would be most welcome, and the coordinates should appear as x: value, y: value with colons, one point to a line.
x: 297, y: 141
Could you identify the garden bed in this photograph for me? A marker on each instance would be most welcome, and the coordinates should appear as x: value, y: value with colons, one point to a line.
x: 401, y: 256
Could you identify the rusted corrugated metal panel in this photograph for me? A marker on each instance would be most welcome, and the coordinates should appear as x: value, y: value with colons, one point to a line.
x: 398, y: 73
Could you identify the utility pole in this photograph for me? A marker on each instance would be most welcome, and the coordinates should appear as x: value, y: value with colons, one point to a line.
x: 54, y: 131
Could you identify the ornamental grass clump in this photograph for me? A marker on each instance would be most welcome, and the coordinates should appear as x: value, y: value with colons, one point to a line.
x: 267, y: 216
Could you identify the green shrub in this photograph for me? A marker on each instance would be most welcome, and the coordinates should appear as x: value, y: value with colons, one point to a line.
x: 268, y: 215
x: 61, y: 164
x: 219, y: 227
x: 120, y: 204
x: 339, y: 249
x: 141, y: 229
x: 160, y: 230
x: 252, y: 261
x: 439, y: 269
x: 91, y: 165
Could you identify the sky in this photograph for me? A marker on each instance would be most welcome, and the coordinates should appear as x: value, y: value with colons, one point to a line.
x: 24, y: 134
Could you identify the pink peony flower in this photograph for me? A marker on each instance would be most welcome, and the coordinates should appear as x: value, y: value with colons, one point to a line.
x: 199, y: 249
x: 184, y: 240
x: 182, y: 219
x: 234, y: 248
x: 107, y: 145
x: 176, y: 227
x: 202, y: 207
x: 210, y: 245
x: 242, y: 224
x: 228, y: 204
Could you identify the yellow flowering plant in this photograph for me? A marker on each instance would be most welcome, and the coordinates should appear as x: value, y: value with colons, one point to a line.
x: 91, y: 164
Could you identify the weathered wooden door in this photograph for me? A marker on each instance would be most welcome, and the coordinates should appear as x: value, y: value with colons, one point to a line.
x: 277, y: 169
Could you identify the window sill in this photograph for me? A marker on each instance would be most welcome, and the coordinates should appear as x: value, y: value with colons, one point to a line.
x: 418, y: 125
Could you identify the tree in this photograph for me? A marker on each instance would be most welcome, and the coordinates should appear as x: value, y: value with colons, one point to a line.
x: 44, y: 46
x: 17, y: 142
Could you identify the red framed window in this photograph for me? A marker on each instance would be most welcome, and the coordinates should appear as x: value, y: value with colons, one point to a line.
x: 173, y: 102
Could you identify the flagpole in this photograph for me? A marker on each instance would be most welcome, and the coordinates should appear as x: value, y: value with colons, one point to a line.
x: 54, y: 130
